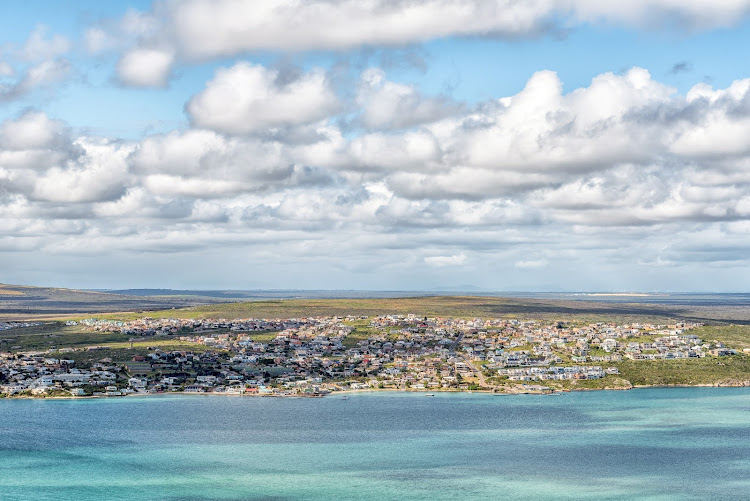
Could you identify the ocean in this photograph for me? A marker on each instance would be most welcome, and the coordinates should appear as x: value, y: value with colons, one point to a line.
x: 642, y: 444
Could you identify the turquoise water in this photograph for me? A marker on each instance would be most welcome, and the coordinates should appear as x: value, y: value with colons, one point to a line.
x: 651, y: 444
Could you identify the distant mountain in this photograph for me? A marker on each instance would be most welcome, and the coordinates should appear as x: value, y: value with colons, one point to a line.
x: 218, y: 294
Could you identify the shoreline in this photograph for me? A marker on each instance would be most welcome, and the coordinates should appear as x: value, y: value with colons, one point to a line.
x: 519, y: 391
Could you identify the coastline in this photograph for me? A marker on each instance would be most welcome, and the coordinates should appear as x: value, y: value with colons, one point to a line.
x: 509, y: 392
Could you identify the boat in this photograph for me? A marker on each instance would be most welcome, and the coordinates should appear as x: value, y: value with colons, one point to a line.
x: 429, y: 394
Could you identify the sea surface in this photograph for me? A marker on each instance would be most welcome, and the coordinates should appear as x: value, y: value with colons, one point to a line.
x: 650, y: 444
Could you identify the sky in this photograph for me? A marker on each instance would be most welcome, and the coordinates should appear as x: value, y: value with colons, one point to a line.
x: 500, y: 145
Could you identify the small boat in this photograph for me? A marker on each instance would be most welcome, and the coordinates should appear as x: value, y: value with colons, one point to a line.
x: 344, y: 398
x: 429, y: 394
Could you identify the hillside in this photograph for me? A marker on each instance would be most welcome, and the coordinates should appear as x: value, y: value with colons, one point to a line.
x: 18, y: 302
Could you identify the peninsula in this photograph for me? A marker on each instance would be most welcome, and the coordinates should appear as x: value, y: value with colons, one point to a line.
x: 313, y: 355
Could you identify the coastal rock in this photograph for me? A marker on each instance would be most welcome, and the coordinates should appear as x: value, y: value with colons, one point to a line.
x: 620, y: 384
x: 734, y: 382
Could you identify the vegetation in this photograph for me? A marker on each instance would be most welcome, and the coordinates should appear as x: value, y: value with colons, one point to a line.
x: 121, y: 352
x: 54, y: 335
x: 736, y: 336
x: 23, y: 303
x: 361, y: 332
x: 433, y: 306
x: 687, y: 371
x: 121, y: 347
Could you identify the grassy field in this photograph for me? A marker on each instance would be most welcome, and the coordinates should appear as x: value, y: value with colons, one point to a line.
x: 458, y: 307
x: 6, y: 290
x: 688, y: 372
x: 361, y: 332
x: 735, y: 336
x: 46, y: 303
x: 54, y: 335
x: 123, y: 353
x: 19, y: 302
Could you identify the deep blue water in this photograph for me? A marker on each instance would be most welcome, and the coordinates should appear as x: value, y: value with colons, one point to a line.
x: 659, y: 443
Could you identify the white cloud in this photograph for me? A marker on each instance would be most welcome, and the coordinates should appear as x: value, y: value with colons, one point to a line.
x: 204, y: 153
x: 134, y: 29
x: 389, y: 105
x: 219, y: 28
x: 100, y: 174
x: 680, y: 14
x: 622, y: 167
x: 414, y: 150
x: 443, y: 261
x: 723, y: 128
x: 531, y: 264
x: 143, y: 67
x: 33, y: 130
x: 540, y: 128
x: 42, y: 75
x: 46, y: 73
x: 39, y: 48
x: 249, y: 98
x: 177, y: 153
x: 98, y: 40
x: 136, y: 23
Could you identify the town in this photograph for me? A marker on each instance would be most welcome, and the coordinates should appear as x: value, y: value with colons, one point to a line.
x: 321, y: 355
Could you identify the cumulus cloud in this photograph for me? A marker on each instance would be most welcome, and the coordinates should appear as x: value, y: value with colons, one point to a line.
x: 250, y: 98
x: 208, y: 154
x: 624, y: 150
x: 40, y: 162
x: 33, y: 130
x: 214, y: 29
x: 410, y: 151
x: 599, y: 173
x: 542, y: 129
x: 211, y: 29
x: 721, y: 126
x: 100, y: 173
x: 144, y: 67
x: 389, y: 105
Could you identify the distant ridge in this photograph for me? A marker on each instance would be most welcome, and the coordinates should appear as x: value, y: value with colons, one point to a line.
x: 21, y: 301
x: 261, y: 294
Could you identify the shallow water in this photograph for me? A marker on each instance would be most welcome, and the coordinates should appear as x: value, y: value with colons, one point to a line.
x: 657, y: 443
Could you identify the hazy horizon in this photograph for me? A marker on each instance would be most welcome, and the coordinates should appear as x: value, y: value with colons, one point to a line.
x: 467, y: 289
